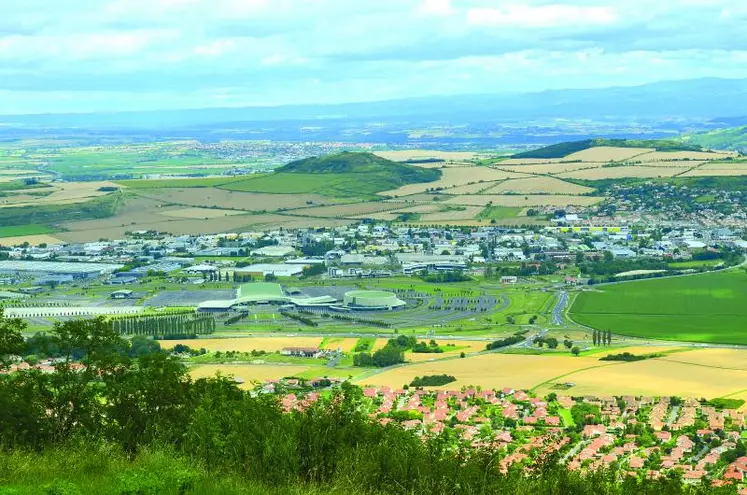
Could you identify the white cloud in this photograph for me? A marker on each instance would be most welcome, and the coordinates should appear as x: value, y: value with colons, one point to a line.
x: 542, y: 16
x: 435, y: 7
x: 215, y: 48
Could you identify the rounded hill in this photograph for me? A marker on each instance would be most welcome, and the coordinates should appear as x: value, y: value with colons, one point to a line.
x: 361, y: 163
x: 344, y: 175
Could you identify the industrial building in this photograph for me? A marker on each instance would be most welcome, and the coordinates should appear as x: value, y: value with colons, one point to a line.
x: 277, y: 269
x: 271, y: 293
x: 78, y: 271
x: 368, y: 300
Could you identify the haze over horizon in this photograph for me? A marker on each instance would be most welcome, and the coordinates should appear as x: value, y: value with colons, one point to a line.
x: 115, y: 55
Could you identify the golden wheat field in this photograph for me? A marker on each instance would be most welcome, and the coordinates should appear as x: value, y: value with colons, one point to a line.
x: 247, y: 373
x: 719, y: 169
x: 552, y: 169
x: 475, y: 188
x: 33, y: 240
x: 607, y: 154
x: 684, y: 155
x: 348, y: 210
x: 62, y: 193
x: 638, y: 349
x: 634, y: 171
x: 655, y: 377
x: 521, y: 201
x: 342, y: 343
x: 539, y: 185
x: 451, y: 349
x: 245, y: 344
x: 527, y: 161
x: 735, y: 359
x: 487, y: 370
x: 453, y: 177
x: 468, y: 213
x: 393, y: 214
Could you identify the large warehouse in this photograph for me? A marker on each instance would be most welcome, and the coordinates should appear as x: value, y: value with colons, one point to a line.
x: 368, y: 300
x: 77, y: 271
x: 271, y: 293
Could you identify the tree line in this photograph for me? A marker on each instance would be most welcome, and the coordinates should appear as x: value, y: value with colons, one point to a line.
x: 163, y: 325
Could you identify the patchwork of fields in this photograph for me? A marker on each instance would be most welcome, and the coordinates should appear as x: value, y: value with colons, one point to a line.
x: 473, y: 189
x: 699, y: 308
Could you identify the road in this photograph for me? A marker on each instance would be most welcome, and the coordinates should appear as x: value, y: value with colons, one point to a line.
x: 558, y: 311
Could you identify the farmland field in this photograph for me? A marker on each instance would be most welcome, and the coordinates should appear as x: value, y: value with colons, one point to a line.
x: 33, y: 240
x: 24, y: 230
x: 622, y: 172
x: 523, y: 201
x: 683, y: 155
x: 552, y: 168
x: 453, y: 177
x: 654, y: 377
x: 735, y: 359
x: 200, y: 213
x: 539, y: 185
x: 234, y: 200
x: 488, y: 370
x: 699, y: 308
x: 465, y: 213
x: 346, y: 211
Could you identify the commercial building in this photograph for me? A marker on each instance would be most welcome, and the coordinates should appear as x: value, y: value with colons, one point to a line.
x: 367, y: 300
x: 277, y: 269
x: 78, y: 271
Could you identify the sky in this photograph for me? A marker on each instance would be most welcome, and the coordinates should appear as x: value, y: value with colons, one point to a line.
x: 113, y: 55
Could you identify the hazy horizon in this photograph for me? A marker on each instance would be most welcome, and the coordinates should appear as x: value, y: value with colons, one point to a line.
x: 120, y: 55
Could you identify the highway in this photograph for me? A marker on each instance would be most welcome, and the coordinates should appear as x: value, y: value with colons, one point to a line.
x: 558, y: 312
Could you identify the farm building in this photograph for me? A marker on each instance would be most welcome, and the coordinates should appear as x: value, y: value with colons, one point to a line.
x: 309, y: 352
x: 78, y: 271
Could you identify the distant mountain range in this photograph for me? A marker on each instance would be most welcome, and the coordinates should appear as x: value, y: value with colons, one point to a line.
x: 717, y: 101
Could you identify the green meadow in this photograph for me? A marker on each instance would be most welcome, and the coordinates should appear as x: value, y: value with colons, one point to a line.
x: 700, y: 308
x: 22, y: 230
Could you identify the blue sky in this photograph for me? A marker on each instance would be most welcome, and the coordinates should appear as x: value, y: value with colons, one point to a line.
x: 101, y: 55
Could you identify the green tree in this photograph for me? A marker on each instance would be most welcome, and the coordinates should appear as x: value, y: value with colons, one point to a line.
x: 576, y: 351
x: 11, y: 339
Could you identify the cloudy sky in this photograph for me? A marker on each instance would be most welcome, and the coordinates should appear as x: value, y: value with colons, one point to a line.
x: 94, y: 55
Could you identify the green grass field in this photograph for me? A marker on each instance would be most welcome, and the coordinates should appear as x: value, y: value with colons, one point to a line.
x: 698, y: 308
x: 20, y: 230
x: 685, y: 265
x: 343, y: 185
x: 497, y: 213
x: 179, y: 183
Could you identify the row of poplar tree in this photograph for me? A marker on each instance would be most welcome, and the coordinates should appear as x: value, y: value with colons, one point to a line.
x: 179, y: 324
x: 602, y: 337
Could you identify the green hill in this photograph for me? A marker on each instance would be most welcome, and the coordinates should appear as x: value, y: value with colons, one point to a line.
x: 561, y: 150
x: 732, y: 139
x: 344, y: 175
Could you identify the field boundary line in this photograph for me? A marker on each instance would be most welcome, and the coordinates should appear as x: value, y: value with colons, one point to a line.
x: 574, y: 372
